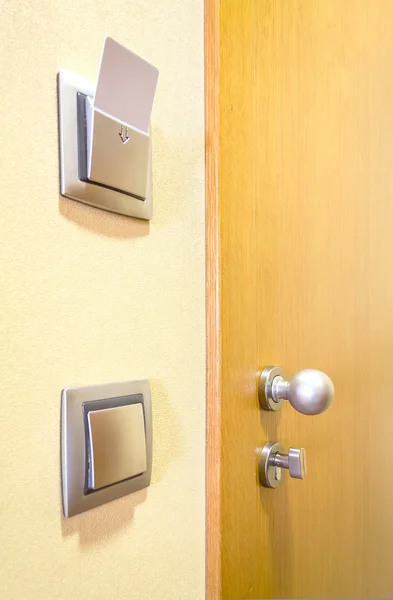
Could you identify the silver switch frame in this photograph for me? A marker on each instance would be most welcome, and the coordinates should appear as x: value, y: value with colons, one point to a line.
x: 71, y: 185
x: 75, y: 403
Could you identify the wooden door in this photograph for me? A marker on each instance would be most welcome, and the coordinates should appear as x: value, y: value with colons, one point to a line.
x: 301, y: 132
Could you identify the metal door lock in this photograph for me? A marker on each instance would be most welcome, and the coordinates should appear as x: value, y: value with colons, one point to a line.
x: 273, y: 459
x: 310, y: 392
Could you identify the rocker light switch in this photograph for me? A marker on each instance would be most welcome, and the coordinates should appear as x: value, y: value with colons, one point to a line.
x: 117, y: 445
x: 106, y: 443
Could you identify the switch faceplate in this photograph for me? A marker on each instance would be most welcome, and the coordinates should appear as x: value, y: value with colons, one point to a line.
x: 76, y: 183
x: 106, y: 443
x: 105, y: 141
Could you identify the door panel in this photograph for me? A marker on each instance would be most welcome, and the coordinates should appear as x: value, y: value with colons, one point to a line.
x: 306, y: 217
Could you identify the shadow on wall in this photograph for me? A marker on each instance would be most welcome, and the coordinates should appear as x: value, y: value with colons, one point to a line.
x: 167, y: 442
x: 104, y: 522
x: 101, y: 523
x: 102, y: 222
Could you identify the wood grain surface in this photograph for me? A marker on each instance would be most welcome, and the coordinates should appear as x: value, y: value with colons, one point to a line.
x: 305, y: 192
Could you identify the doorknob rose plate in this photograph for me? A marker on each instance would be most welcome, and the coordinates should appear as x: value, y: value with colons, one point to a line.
x: 265, y: 388
x: 270, y: 475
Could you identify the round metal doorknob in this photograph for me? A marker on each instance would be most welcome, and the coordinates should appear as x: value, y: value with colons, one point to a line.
x: 310, y: 391
x: 273, y: 459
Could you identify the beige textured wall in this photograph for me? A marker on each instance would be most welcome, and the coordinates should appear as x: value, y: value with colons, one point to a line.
x: 89, y: 297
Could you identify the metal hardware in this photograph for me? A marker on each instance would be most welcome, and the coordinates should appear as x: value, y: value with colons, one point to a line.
x: 71, y: 185
x: 96, y: 167
x: 104, y: 158
x: 116, y: 444
x: 273, y: 459
x: 310, y: 391
x: 91, y: 463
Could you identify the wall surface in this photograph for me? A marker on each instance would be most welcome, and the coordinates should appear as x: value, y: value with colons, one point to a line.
x: 90, y: 297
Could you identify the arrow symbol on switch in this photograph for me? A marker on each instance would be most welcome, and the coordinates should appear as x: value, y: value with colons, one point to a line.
x: 124, y: 134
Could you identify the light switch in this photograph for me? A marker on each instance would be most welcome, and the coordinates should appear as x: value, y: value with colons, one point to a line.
x: 106, y: 443
x: 117, y: 445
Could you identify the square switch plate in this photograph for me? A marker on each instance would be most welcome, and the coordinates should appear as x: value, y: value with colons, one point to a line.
x: 71, y: 185
x: 106, y: 443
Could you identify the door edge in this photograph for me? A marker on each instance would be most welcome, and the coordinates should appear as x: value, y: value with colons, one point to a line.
x: 213, y: 327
